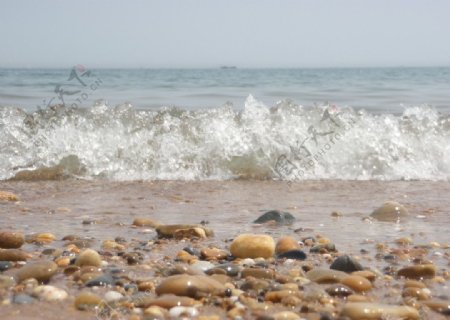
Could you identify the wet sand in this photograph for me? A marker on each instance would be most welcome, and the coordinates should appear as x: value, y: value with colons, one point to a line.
x: 105, y: 210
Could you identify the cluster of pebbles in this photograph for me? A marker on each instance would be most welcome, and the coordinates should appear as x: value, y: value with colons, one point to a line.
x: 252, y: 276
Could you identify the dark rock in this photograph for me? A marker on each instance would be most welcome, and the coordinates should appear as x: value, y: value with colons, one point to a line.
x: 293, y: 254
x: 192, y: 251
x: 5, y: 265
x: 283, y: 218
x: 346, y: 263
x: 339, y: 290
x: 103, y: 280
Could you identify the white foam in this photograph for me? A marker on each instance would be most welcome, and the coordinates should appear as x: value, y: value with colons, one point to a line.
x: 258, y: 142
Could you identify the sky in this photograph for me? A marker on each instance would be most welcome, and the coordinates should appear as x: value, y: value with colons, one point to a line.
x: 208, y: 33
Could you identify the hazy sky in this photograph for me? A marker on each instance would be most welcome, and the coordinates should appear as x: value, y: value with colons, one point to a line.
x: 200, y: 33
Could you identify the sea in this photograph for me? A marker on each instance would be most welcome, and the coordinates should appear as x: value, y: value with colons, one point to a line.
x: 226, y: 123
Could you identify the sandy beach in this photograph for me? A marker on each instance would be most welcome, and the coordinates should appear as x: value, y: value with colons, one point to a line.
x: 333, y: 210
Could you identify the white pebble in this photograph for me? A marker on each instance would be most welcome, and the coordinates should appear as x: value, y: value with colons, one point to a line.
x: 176, y: 312
x: 49, y: 293
x: 112, y: 296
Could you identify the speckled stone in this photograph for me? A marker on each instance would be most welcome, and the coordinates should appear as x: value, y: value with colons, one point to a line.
x: 368, y: 311
x: 253, y: 246
x: 169, y: 231
x: 11, y: 239
x: 8, y: 196
x: 49, y: 293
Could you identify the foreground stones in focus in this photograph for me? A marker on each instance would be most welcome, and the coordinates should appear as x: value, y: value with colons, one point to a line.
x: 179, y: 270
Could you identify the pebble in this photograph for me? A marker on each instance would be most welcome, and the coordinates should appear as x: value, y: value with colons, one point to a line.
x: 113, y: 296
x: 13, y: 255
x: 179, y: 311
x: 357, y: 283
x: 41, y: 271
x: 168, y: 301
x: 258, y: 273
x: 101, y: 281
x: 390, y: 211
x: 112, y: 245
x: 6, y: 281
x: 369, y: 275
x: 438, y: 306
x: 89, y: 257
x: 190, y: 286
x: 189, y: 233
x: 292, y: 254
x: 8, y: 196
x: 156, y: 313
x: 368, y: 311
x: 254, y: 284
x: 168, y: 231
x: 279, y: 217
x: 86, y: 300
x: 231, y: 270
x: 49, y: 293
x: 22, y: 299
x: 41, y: 238
x: 322, y: 275
x: 213, y: 254
x: 286, y: 315
x: 323, y: 248
x: 201, y: 266
x: 5, y: 265
x: 11, y: 240
x: 285, y: 244
x: 339, y: 290
x: 145, y: 222
x: 253, y: 246
x: 419, y: 271
x: 418, y: 293
x: 346, y: 263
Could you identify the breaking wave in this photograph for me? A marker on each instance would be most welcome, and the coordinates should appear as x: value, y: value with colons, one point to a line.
x: 286, y: 141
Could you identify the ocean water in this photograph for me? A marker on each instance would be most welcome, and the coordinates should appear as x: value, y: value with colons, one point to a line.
x: 299, y: 124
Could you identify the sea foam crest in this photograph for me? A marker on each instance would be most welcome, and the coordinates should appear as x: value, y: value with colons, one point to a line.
x: 286, y: 142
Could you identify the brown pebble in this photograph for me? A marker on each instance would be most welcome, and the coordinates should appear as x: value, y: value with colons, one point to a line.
x: 390, y: 211
x: 369, y: 275
x: 438, y: 306
x: 11, y: 239
x: 168, y: 231
x: 418, y: 293
x: 86, y: 300
x: 145, y: 222
x: 8, y: 196
x: 259, y: 273
x: 14, y: 255
x: 367, y: 311
x: 213, y: 254
x: 277, y: 296
x: 285, y: 244
x: 419, y: 271
x: 190, y: 286
x: 357, y: 283
x: 41, y: 271
x: 253, y: 246
x: 89, y: 257
x: 339, y: 290
x: 322, y: 275
x: 414, y: 284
